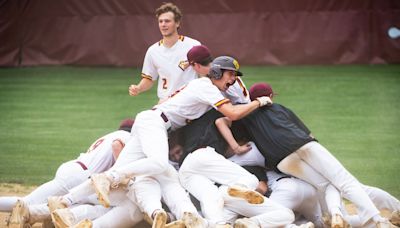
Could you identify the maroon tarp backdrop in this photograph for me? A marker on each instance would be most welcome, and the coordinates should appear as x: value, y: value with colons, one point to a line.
x: 118, y: 32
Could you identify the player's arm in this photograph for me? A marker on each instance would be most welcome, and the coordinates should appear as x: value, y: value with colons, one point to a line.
x: 144, y: 85
x: 223, y: 124
x: 117, y: 146
x: 236, y: 112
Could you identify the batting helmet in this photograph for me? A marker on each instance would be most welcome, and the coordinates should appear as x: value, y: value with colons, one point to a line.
x: 223, y: 63
x: 126, y: 124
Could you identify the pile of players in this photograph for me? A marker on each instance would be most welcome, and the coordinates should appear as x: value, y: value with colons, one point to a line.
x: 210, y: 154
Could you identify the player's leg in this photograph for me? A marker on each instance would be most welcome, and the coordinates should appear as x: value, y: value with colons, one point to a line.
x: 207, y: 193
x: 147, y: 194
x: 295, y: 166
x: 209, y: 163
x: 267, y: 214
x: 382, y: 199
x: 322, y: 160
x: 150, y: 131
x: 8, y: 202
x: 69, y: 175
x: 124, y: 215
x: 298, y: 196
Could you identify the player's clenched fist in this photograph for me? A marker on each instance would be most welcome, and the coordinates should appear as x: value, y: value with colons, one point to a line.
x: 134, y: 90
x: 264, y: 100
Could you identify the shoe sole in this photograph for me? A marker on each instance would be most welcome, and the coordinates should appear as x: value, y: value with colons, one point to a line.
x: 58, y: 221
x: 102, y: 197
x: 337, y: 224
x: 84, y: 224
x: 175, y: 224
x: 240, y: 225
x: 160, y: 220
x: 16, y: 220
x: 250, y: 196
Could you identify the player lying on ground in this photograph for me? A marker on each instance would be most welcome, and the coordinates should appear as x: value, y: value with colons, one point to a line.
x: 100, y: 156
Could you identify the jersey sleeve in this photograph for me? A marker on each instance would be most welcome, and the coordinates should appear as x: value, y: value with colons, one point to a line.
x: 149, y: 70
x: 210, y: 94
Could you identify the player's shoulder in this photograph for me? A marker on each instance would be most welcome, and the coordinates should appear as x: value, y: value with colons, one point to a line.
x: 189, y: 40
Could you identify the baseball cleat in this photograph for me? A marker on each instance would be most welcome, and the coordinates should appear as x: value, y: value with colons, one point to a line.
x: 307, y: 225
x: 245, y: 223
x: 55, y: 202
x: 385, y: 224
x: 193, y: 221
x: 86, y: 223
x: 176, y: 224
x: 223, y: 225
x: 102, y: 185
x: 250, y: 196
x: 63, y: 218
x: 395, y: 218
x: 337, y: 221
x: 19, y: 215
x: 160, y: 219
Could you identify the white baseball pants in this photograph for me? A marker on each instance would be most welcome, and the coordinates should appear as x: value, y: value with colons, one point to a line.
x: 320, y: 168
x: 150, y: 190
x: 267, y: 214
x: 146, y: 153
x: 205, y: 166
x: 68, y: 175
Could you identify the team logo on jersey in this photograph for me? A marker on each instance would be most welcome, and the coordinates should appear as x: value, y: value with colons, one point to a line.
x: 236, y: 64
x: 184, y: 64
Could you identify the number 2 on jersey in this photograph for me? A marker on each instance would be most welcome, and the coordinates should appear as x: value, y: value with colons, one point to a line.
x: 164, y: 83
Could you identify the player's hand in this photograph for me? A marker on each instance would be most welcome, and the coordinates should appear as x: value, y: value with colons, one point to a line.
x: 242, y: 149
x: 134, y: 90
x: 264, y: 101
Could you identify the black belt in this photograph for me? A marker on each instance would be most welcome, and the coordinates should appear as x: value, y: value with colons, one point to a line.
x: 82, y: 165
x: 163, y: 116
x: 280, y: 178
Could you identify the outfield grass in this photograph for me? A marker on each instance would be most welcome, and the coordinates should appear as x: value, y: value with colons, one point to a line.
x: 51, y: 114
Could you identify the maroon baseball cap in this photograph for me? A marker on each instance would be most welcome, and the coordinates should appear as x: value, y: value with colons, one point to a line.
x: 260, y: 89
x: 199, y: 54
x: 126, y: 124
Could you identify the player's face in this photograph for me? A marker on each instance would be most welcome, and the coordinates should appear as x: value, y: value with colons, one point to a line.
x: 167, y: 24
x: 227, y: 79
x: 200, y: 69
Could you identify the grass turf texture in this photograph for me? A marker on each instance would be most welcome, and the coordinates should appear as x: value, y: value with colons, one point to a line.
x: 51, y: 114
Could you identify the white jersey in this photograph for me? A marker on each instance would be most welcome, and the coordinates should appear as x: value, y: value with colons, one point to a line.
x: 169, y: 65
x: 99, y: 156
x: 237, y: 92
x: 191, y: 102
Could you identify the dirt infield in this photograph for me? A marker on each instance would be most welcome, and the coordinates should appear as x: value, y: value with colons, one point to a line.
x: 7, y: 189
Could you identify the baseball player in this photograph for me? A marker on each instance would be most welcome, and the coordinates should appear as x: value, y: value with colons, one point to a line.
x: 122, y: 213
x: 99, y: 157
x: 288, y: 145
x: 288, y: 191
x: 166, y: 60
x: 204, y: 166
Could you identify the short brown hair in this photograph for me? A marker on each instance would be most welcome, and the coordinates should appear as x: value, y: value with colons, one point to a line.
x: 169, y: 7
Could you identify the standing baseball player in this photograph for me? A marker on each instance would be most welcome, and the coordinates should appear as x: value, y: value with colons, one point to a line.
x: 288, y: 145
x: 166, y: 60
x: 99, y: 157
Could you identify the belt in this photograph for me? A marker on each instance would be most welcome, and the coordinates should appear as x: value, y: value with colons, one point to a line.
x: 82, y: 165
x: 280, y: 178
x: 164, y: 117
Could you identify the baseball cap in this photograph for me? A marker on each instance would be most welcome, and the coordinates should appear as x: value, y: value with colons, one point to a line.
x: 126, y: 124
x: 227, y: 63
x: 260, y: 89
x: 199, y: 54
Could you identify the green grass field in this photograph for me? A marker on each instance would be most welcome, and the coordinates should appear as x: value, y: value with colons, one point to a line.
x: 51, y: 114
